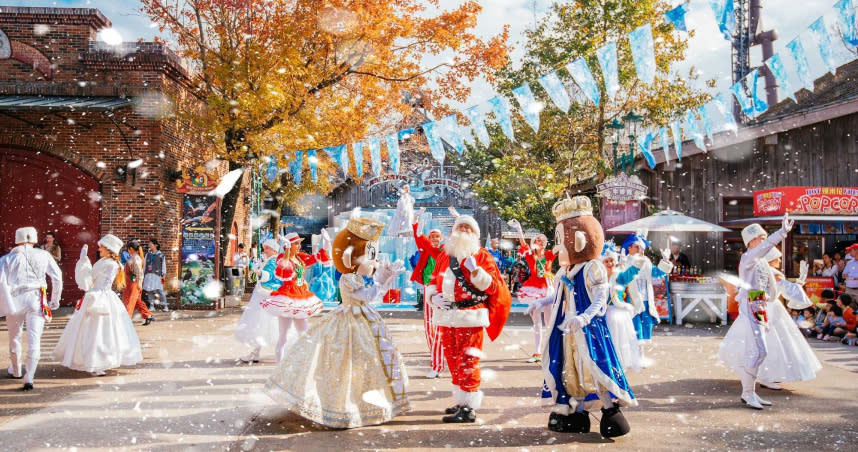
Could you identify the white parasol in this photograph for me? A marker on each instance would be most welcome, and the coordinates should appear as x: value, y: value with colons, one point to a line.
x: 668, y: 221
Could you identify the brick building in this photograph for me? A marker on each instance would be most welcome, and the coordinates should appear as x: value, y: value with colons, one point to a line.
x: 89, y: 139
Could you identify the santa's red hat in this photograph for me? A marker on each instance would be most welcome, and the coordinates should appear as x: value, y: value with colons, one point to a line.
x: 467, y: 219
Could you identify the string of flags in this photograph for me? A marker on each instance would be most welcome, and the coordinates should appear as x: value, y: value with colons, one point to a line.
x: 830, y: 35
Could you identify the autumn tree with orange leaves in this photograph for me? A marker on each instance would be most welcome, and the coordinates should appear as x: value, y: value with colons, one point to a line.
x: 282, y: 75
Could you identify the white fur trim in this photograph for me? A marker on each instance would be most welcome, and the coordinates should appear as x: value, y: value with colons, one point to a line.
x: 665, y: 266
x: 461, y: 318
x: 112, y: 243
x: 469, y: 220
x: 26, y: 234
x: 472, y: 399
x: 458, y: 395
x: 773, y: 254
x: 751, y: 232
x: 481, y: 279
x: 564, y: 410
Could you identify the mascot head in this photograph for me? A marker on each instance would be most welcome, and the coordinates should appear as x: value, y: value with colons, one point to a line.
x: 355, y: 248
x: 578, y: 234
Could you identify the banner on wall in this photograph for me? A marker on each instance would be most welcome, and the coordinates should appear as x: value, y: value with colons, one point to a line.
x: 200, y: 254
x: 806, y: 201
x: 814, y: 285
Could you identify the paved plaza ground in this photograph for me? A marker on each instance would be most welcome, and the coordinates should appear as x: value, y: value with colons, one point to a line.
x: 189, y: 394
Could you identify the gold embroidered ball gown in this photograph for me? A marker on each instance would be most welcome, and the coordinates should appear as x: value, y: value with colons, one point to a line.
x: 345, y: 371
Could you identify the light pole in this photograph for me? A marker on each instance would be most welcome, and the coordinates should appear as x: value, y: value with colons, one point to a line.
x: 631, y: 120
x: 616, y: 125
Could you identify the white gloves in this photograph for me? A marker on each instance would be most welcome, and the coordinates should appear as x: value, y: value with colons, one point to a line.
x: 388, y: 272
x: 517, y: 226
x: 54, y: 305
x: 802, y: 272
x: 83, y: 252
x: 573, y: 324
x: 538, y: 304
x: 470, y: 263
x: 441, y: 301
x: 665, y: 254
x: 787, y: 223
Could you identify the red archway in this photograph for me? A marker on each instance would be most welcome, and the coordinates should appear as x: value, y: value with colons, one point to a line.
x: 51, y: 195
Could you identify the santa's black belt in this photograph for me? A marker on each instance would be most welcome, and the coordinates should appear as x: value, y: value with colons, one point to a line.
x: 465, y: 304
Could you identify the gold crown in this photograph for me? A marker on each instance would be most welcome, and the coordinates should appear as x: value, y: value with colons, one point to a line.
x: 572, y: 207
x: 365, y: 228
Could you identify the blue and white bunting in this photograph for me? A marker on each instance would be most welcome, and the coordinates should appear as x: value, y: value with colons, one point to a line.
x: 271, y: 171
x: 676, y: 131
x: 556, y: 91
x: 706, y: 121
x: 665, y: 143
x: 643, y: 53
x: 357, y: 152
x: 500, y: 107
x: 478, y: 124
x: 725, y: 15
x: 846, y: 20
x: 607, y: 55
x: 692, y: 129
x: 776, y: 66
x: 393, y: 151
x: 580, y: 72
x: 745, y: 102
x: 800, y: 63
x: 528, y: 105
x: 676, y: 16
x: 296, y: 166
x: 760, y: 104
x: 374, y: 145
x: 466, y: 134
x: 452, y: 133
x: 406, y: 134
x: 645, y: 146
x: 339, y: 154
x: 433, y: 136
x: 312, y: 161
x: 724, y: 108
x: 823, y: 42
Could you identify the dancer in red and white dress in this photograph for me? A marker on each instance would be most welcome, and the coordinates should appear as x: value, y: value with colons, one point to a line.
x: 431, y: 252
x: 538, y: 286
x: 293, y: 303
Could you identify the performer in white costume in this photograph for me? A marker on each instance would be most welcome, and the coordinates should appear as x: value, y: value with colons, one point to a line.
x: 620, y: 313
x: 345, y: 372
x: 256, y: 327
x: 23, y: 299
x: 640, y: 290
x: 789, y: 357
x: 401, y: 222
x: 99, y: 335
x: 744, y: 348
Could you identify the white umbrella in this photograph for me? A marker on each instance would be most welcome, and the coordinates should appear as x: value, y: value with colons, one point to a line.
x: 668, y: 221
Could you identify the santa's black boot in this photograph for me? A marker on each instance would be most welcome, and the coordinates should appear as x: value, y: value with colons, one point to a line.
x: 452, y: 410
x: 464, y: 414
x: 577, y: 422
x: 613, y: 422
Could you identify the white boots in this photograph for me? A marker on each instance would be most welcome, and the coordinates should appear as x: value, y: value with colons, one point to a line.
x: 749, y: 395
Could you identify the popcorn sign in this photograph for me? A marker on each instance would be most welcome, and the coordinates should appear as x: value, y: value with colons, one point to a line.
x: 806, y: 201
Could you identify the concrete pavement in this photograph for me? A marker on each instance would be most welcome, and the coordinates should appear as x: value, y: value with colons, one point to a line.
x: 189, y: 394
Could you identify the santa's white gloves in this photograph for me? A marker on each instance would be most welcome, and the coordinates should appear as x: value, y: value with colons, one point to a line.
x: 787, y: 223
x: 83, y: 252
x: 54, y: 305
x: 665, y: 254
x: 470, y: 263
x: 802, y: 272
x: 573, y: 324
x: 441, y: 301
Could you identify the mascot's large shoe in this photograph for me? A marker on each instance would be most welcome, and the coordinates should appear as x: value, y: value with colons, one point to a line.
x: 464, y: 414
x: 577, y: 422
x: 613, y: 423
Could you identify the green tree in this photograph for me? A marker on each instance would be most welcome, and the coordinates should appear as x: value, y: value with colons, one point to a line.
x: 523, y: 179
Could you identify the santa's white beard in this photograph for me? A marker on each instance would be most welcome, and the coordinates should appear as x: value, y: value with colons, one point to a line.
x: 462, y: 244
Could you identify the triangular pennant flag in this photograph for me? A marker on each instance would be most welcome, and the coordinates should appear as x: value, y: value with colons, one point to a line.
x: 760, y: 104
x: 645, y: 146
x: 500, y: 107
x: 433, y: 136
x: 478, y: 125
x: 692, y: 129
x: 271, y: 171
x: 643, y: 53
x: 776, y: 65
x: 296, y: 166
x: 725, y: 15
x: 580, y: 72
x: 705, y: 120
x: 676, y: 131
x: 846, y: 18
x: 725, y: 111
x: 665, y: 144
x: 312, y: 161
x: 357, y: 153
x: 339, y: 155
x: 607, y: 55
x: 800, y: 63
x: 556, y: 91
x: 676, y: 16
x: 745, y: 102
x: 452, y: 133
x: 466, y: 135
x: 823, y: 42
x: 393, y: 152
x: 374, y: 145
x: 528, y: 105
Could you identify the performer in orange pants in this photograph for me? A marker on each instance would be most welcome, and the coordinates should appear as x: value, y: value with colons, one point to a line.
x: 132, y: 295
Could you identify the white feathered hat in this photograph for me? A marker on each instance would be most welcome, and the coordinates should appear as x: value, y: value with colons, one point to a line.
x: 112, y: 243
x: 773, y: 254
x: 26, y: 234
x: 273, y: 244
x: 751, y: 232
x: 467, y: 219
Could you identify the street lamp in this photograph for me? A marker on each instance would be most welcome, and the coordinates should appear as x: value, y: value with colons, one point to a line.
x: 616, y: 125
x: 631, y: 120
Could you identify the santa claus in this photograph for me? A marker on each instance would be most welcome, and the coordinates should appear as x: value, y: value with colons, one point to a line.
x: 469, y: 294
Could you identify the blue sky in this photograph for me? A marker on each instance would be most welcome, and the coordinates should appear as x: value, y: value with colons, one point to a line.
x: 708, y: 51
